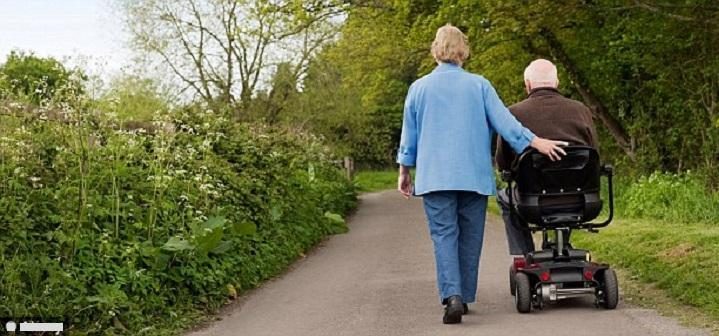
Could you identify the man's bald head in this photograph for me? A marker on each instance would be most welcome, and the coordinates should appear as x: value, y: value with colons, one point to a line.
x: 540, y: 73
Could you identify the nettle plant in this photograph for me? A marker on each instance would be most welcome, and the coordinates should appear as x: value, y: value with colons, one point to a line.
x: 114, y: 225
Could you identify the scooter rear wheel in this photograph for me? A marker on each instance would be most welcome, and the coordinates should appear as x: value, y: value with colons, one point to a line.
x: 610, y: 295
x: 523, y: 297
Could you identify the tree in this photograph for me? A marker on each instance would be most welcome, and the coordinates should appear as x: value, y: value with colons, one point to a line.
x: 283, y: 92
x: 327, y: 107
x: 379, y: 55
x: 134, y: 98
x: 36, y: 79
x: 532, y: 32
x: 648, y: 69
x: 220, y: 50
x: 626, y: 74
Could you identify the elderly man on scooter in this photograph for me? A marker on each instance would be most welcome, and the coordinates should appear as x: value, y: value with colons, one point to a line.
x: 549, y: 115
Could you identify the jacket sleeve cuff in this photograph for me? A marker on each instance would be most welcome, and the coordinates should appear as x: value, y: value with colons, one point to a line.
x: 406, y: 157
x: 524, y: 140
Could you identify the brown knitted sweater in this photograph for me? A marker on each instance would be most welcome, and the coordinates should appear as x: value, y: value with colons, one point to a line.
x: 551, y: 116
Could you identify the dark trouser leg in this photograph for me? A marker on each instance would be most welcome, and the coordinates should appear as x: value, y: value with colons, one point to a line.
x: 520, y: 241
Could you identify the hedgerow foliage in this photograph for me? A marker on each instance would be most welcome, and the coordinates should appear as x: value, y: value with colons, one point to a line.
x: 675, y: 198
x: 118, y: 231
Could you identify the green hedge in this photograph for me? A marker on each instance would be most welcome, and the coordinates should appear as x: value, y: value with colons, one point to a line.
x: 122, y: 232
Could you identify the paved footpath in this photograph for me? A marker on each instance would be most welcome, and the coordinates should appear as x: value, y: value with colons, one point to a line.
x: 379, y: 280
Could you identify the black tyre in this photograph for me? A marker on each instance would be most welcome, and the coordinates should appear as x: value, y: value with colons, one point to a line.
x: 512, y: 283
x: 523, y: 295
x: 610, y: 296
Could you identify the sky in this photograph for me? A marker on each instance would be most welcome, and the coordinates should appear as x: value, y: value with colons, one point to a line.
x: 86, y: 31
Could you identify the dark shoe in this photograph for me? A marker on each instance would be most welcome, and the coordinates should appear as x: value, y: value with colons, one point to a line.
x: 466, y: 309
x: 453, y: 310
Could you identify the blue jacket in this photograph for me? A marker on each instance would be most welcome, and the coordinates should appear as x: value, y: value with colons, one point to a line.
x: 449, y: 117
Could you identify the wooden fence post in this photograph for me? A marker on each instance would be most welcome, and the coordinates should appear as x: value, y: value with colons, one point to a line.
x: 349, y: 166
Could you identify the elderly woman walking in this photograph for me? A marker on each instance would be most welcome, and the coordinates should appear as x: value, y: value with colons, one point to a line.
x: 449, y: 117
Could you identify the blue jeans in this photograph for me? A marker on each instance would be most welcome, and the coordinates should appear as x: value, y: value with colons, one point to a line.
x: 456, y: 225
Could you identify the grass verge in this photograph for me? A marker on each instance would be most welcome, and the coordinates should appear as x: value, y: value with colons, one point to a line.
x: 648, y: 296
x: 664, y: 262
x: 375, y: 180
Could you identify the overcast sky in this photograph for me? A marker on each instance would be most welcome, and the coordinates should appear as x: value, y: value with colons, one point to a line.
x: 65, y: 28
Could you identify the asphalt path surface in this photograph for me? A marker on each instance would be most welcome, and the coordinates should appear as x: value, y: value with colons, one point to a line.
x: 379, y: 279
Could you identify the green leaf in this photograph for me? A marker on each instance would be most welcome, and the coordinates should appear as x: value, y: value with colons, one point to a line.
x: 334, y: 218
x: 311, y: 172
x: 209, y: 225
x: 208, y: 242
x: 175, y: 244
x: 245, y: 228
x: 214, y: 223
x: 160, y: 262
x: 337, y: 223
x: 210, y: 235
x: 222, y: 247
x: 275, y: 213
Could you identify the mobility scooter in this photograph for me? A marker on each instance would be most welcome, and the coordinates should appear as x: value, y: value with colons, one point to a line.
x: 556, y: 197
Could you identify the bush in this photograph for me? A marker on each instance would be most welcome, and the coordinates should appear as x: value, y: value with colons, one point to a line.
x: 137, y: 232
x: 36, y: 79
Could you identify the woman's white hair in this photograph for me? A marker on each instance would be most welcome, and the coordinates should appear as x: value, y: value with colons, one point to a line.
x: 450, y: 45
x: 541, y: 73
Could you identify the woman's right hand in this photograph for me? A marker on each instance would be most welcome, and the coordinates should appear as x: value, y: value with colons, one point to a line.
x: 550, y: 148
x: 404, y: 182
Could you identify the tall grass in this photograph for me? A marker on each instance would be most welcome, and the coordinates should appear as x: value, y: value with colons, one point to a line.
x: 677, y: 198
